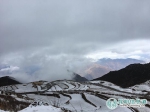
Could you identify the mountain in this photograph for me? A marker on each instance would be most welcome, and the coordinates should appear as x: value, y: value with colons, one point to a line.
x: 128, y: 76
x: 78, y: 78
x: 7, y: 80
x: 116, y: 64
x: 96, y: 70
x: 105, y: 65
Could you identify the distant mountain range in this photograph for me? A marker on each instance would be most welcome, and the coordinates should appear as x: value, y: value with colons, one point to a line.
x: 105, y: 65
x: 116, y: 64
x: 128, y: 76
x: 95, y: 70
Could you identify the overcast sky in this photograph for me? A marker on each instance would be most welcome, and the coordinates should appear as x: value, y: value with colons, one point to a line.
x: 52, y: 35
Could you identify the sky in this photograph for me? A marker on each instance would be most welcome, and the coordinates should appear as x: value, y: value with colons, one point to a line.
x: 41, y: 39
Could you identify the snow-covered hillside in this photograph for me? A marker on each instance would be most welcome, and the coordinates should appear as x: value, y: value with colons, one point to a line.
x: 67, y: 95
x: 142, y: 87
x: 41, y: 109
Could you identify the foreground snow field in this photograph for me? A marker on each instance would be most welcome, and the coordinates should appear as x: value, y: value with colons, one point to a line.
x: 41, y: 109
x: 72, y: 96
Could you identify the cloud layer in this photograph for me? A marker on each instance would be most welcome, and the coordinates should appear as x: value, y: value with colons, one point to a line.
x: 71, y: 26
x: 50, y: 36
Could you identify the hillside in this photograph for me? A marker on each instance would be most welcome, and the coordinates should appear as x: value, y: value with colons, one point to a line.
x: 67, y: 96
x: 4, y: 81
x: 128, y: 76
x: 78, y: 78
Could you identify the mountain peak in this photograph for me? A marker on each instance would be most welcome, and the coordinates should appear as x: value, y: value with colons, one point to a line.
x: 7, y: 80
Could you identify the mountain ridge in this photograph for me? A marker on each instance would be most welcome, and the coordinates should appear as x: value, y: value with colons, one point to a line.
x: 105, y: 65
x: 129, y: 76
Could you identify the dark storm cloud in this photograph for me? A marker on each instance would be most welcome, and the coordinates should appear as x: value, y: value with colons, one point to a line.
x: 71, y: 26
x: 44, y: 38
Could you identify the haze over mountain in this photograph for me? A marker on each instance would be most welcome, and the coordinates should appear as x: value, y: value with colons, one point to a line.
x: 129, y: 76
x: 95, y: 70
x: 78, y: 78
x: 105, y: 65
x: 116, y: 64
x: 7, y: 80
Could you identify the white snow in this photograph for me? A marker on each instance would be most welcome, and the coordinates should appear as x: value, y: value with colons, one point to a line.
x: 121, y: 109
x: 71, y: 98
x: 41, y: 109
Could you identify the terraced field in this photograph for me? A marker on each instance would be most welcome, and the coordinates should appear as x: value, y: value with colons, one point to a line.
x: 76, y: 96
